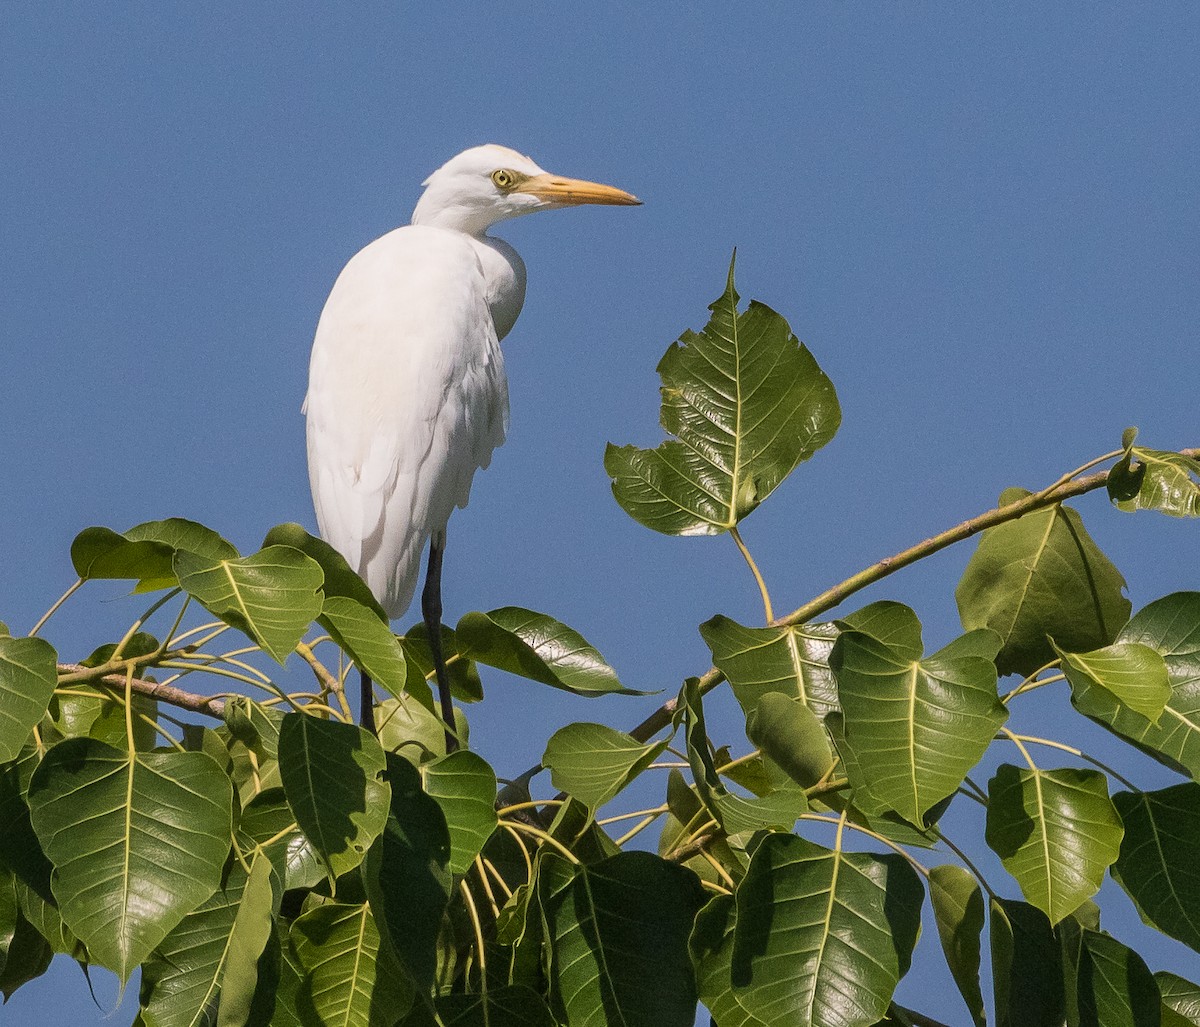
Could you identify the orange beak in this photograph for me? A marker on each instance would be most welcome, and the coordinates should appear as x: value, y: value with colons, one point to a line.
x: 573, y: 191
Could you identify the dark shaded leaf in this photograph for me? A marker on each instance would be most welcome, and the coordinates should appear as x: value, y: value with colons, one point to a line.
x: 958, y: 909
x: 1041, y: 576
x: 269, y: 818
x: 1180, y: 996
x: 462, y: 671
x: 1027, y: 970
x: 789, y: 733
x: 746, y: 402
x: 1115, y: 988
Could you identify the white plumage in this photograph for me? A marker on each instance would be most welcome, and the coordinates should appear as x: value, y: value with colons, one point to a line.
x: 407, y: 394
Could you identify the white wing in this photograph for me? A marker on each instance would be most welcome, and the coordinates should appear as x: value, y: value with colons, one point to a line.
x: 406, y: 398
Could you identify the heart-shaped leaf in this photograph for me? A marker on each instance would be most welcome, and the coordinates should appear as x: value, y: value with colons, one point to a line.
x: 145, y: 552
x: 746, y: 403
x: 1133, y: 674
x: 593, y: 762
x: 28, y: 674
x: 464, y: 786
x: 367, y: 640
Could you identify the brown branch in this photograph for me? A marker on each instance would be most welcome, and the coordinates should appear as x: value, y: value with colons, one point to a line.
x: 163, y: 693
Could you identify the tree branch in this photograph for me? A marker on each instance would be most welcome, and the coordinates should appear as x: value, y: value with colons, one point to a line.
x: 169, y: 694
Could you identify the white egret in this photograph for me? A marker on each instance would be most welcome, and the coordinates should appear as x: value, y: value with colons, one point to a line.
x: 407, y: 394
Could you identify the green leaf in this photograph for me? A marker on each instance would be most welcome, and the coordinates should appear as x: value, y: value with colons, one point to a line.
x: 789, y: 733
x: 1027, y: 969
x: 251, y: 933
x: 407, y: 873
x: 917, y: 726
x: 746, y: 402
x: 268, y: 818
x: 1159, y: 480
x: 1171, y: 627
x: 593, y: 762
x: 345, y: 981
x: 898, y: 627
x: 791, y: 660
x: 1157, y: 866
x: 1114, y: 986
x: 28, y: 674
x: 711, y: 947
x: 138, y: 840
x: 140, y: 643
x: 1056, y: 831
x: 1180, y: 996
x: 340, y: 580
x: 1133, y: 674
x: 464, y: 786
x: 367, y: 640
x: 617, y: 931
x: 734, y: 813
x: 145, y: 552
x: 332, y: 774
x: 45, y: 917
x: 535, y: 646
x: 9, y: 914
x: 821, y: 936
x: 1041, y: 576
x: 27, y: 958
x: 409, y: 729
x: 959, y: 911
x: 461, y: 671
x: 20, y: 849
x: 273, y: 596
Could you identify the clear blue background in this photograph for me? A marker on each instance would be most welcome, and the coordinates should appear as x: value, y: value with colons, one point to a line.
x: 982, y: 219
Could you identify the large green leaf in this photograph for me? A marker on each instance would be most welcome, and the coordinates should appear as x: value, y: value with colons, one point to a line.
x: 340, y: 580
x: 959, y: 912
x: 346, y: 982
x: 535, y: 646
x: 273, y: 595
x: 409, y: 729
x: 137, y: 840
x: 407, y: 873
x: 1041, y: 576
x: 1158, y: 865
x: 367, y: 640
x: 1171, y: 627
x: 1158, y: 480
x: 1114, y: 988
x: 145, y: 552
x: 181, y: 981
x: 821, y: 937
x: 28, y: 673
x: 746, y: 402
x: 1180, y: 996
x: 1056, y: 831
x: 1027, y: 968
x: 617, y: 931
x: 332, y: 774
x: 1132, y: 674
x: 917, y: 726
x: 791, y: 660
x: 593, y: 762
x: 464, y: 786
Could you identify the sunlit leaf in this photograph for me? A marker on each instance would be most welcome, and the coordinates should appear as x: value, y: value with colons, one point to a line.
x: 138, y: 840
x: 1133, y: 674
x: 340, y: 580
x: 367, y: 640
x: 1114, y: 986
x: 1056, y: 831
x: 28, y: 674
x: 268, y: 821
x: 1154, y: 479
x: 1180, y: 996
x: 820, y: 937
x: 746, y: 403
x: 273, y: 595
x: 593, y: 762
x: 1171, y: 627
x: 917, y: 726
x: 145, y: 552
x: 332, y: 774
x: 1027, y: 970
x: 958, y: 909
x: 464, y: 786
x: 409, y: 729
x: 534, y: 646
x: 345, y: 982
x: 1041, y: 576
x: 617, y: 931
x: 1158, y: 865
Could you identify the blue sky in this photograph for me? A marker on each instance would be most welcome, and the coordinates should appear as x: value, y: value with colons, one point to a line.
x: 982, y: 219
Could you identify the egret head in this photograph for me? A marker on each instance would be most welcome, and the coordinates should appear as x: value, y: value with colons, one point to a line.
x: 487, y: 184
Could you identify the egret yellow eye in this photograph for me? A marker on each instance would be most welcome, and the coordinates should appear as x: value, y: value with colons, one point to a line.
x: 504, y: 179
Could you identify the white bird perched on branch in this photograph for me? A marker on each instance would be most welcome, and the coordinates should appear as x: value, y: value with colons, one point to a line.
x: 407, y: 394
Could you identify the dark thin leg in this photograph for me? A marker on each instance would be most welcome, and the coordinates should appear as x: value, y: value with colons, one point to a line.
x: 366, y: 709
x: 431, y: 609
